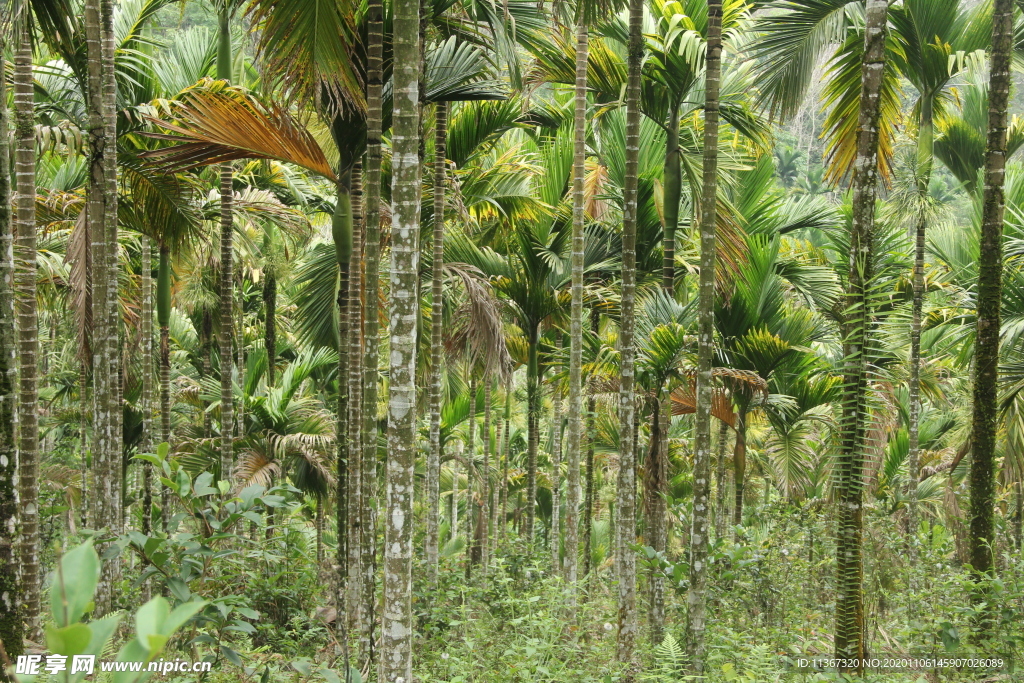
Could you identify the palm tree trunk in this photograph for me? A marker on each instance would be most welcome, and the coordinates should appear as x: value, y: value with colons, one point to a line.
x: 270, y: 323
x: 672, y: 194
x: 163, y: 313
x: 436, y: 351
x: 986, y: 359
x: 533, y: 431
x: 739, y: 468
x: 341, y: 228
x: 397, y: 624
x: 588, y: 504
x: 470, y: 459
x: 721, y: 494
x: 696, y: 599
x: 12, y: 628
x: 924, y: 169
x: 485, y: 480
x: 503, y: 505
x: 227, y: 324
x: 146, y: 445
x: 626, y: 485
x: 227, y: 255
x: 355, y: 421
x: 655, y: 486
x: 575, y: 407
x: 27, y: 324
x: 849, y: 642
x: 371, y: 317
x: 554, y: 537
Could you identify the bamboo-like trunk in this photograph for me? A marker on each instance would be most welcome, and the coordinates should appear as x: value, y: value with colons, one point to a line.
x: 696, y: 598
x: 470, y: 459
x: 986, y: 359
x: 146, y: 444
x: 655, y: 489
x: 371, y: 316
x: 436, y: 350
x: 227, y: 324
x: 355, y: 421
x: 163, y: 310
x: 12, y: 628
x: 849, y: 643
x: 554, y: 537
x: 924, y: 172
x: 270, y: 323
x: 673, y: 188
x: 397, y: 623
x: 739, y: 468
x: 27, y: 325
x: 721, y: 494
x: 504, y: 464
x: 626, y: 484
x: 533, y: 431
x: 588, y: 505
x: 206, y: 366
x: 575, y: 407
x: 485, y: 480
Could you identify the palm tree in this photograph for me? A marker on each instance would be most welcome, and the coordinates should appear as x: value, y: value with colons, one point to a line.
x: 983, y: 436
x: 11, y: 622
x: 849, y: 644
x: 397, y: 624
x: 705, y: 340
x: 626, y: 485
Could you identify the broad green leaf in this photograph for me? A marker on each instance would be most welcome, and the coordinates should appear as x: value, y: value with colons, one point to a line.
x: 74, y: 583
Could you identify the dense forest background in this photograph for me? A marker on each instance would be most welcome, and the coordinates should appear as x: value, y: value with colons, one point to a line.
x: 660, y: 340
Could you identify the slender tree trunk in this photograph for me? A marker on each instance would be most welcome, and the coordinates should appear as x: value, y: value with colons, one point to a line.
x: 485, y: 480
x: 721, y: 484
x: 227, y: 292
x: 436, y: 350
x: 533, y: 431
x: 12, y: 627
x: 146, y: 444
x: 163, y: 312
x: 1018, y: 516
x: 371, y: 317
x: 397, y: 625
x: 505, y: 461
x: 588, y: 504
x: 739, y: 468
x: 227, y: 255
x: 554, y: 538
x: 27, y: 324
x: 206, y: 367
x: 924, y: 172
x: 270, y: 323
x: 986, y: 359
x: 672, y: 193
x: 495, y: 498
x: 575, y: 408
x: 470, y: 459
x: 849, y: 636
x: 355, y: 421
x: 342, y: 232
x: 696, y: 599
x: 626, y: 485
x: 655, y: 488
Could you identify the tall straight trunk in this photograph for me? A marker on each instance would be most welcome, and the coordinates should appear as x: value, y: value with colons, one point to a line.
x: 436, y: 350
x: 341, y: 228
x: 739, y: 468
x: 532, y: 430
x: 986, y: 359
x: 163, y: 313
x: 655, y: 489
x: 146, y: 444
x: 575, y: 408
x: 673, y: 187
x: 397, y: 624
x: 696, y: 598
x: 1018, y: 516
x: 355, y: 421
x: 554, y: 538
x: 721, y: 494
x: 503, y: 505
x: 626, y: 485
x: 485, y: 480
x: 849, y: 635
x: 270, y: 323
x: 470, y: 459
x: 27, y: 324
x: 227, y: 282
x: 495, y: 498
x: 924, y: 172
x: 206, y: 366
x: 371, y: 316
x: 588, y: 504
x: 227, y: 324
x: 12, y: 628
